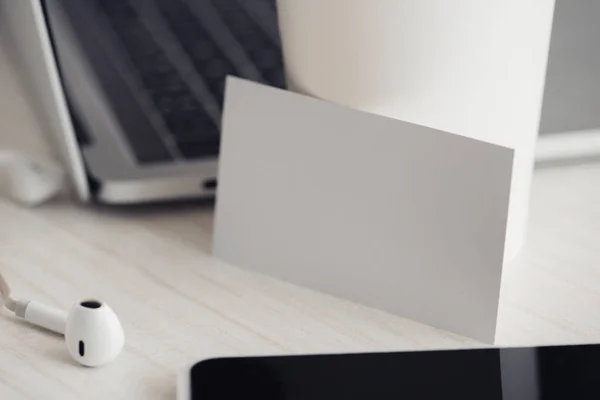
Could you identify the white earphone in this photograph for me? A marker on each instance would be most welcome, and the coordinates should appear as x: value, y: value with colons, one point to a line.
x: 93, y: 334
x: 31, y: 182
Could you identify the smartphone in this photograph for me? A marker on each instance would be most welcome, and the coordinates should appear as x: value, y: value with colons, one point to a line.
x: 528, y: 373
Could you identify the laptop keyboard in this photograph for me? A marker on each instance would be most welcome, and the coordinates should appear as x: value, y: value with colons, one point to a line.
x: 182, y: 104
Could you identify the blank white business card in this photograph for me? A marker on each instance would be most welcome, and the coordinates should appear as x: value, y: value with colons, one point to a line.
x: 396, y: 216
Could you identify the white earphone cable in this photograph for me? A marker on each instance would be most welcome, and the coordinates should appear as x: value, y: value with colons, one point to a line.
x: 9, y: 302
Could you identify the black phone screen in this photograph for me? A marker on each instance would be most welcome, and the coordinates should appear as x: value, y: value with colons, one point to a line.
x: 559, y: 372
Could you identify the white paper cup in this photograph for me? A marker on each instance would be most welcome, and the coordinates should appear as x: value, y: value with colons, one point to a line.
x: 471, y: 67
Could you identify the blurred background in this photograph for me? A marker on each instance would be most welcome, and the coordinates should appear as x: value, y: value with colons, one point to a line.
x: 572, y: 93
x: 134, y: 88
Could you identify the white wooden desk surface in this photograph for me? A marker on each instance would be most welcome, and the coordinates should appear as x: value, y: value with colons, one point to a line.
x: 178, y: 305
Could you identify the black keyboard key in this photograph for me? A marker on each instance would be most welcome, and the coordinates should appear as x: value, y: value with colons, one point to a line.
x: 193, y: 150
x: 148, y: 148
x: 267, y: 58
x: 192, y: 126
x: 203, y: 50
x: 165, y: 83
x: 209, y: 60
x: 276, y: 77
x: 264, y: 53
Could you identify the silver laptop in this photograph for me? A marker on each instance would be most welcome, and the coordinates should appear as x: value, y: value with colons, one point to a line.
x: 134, y: 88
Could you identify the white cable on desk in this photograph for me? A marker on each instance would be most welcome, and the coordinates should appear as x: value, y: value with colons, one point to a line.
x: 9, y: 302
x: 34, y: 312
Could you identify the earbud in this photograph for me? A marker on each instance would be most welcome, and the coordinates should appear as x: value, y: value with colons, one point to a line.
x: 31, y: 182
x: 93, y: 334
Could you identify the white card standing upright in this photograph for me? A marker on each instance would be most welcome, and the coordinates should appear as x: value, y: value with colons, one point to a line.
x: 401, y: 217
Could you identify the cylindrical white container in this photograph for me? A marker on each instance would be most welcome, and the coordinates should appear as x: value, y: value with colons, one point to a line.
x: 470, y: 67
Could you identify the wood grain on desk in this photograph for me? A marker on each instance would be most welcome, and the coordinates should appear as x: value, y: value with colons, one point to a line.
x: 179, y: 305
